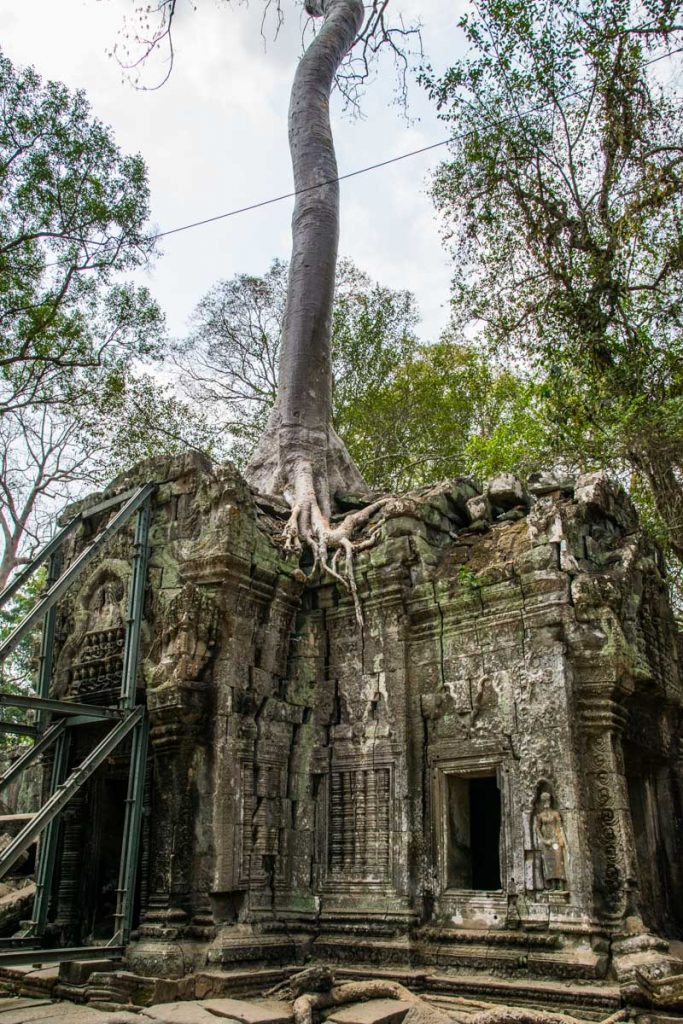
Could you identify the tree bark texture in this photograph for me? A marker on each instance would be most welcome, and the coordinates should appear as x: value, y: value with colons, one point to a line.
x: 666, y: 480
x: 299, y: 454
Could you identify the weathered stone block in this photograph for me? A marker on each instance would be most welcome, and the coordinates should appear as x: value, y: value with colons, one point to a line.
x: 505, y: 491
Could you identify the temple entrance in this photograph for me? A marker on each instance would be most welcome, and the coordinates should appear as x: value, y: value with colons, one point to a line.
x: 473, y: 846
x: 105, y: 850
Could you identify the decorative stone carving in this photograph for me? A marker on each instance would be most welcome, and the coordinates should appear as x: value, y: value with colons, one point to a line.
x: 89, y: 663
x: 551, y: 843
x: 98, y: 666
x: 360, y: 823
x: 188, y: 636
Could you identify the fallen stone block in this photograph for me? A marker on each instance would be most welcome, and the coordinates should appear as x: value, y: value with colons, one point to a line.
x: 375, y: 1011
x: 549, y: 481
x: 505, y: 491
x: 479, y: 508
x: 247, y: 1012
x: 177, y: 1013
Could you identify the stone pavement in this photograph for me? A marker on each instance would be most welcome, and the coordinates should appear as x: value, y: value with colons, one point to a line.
x: 18, y: 1010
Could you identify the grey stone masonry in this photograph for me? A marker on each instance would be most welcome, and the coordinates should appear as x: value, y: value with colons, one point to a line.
x: 487, y: 776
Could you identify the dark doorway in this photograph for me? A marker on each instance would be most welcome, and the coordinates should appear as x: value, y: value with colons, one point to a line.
x: 657, y: 815
x: 485, y: 818
x: 112, y: 796
x: 473, y: 846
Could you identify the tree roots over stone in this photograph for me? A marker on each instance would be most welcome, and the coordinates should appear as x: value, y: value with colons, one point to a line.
x: 314, y: 990
x: 308, y: 526
x: 307, y: 470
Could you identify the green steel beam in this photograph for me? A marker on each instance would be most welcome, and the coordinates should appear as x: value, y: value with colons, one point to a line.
x: 47, y: 640
x: 77, y: 566
x: 47, y: 851
x: 136, y: 602
x: 38, y: 748
x: 19, y: 728
x: 66, y: 790
x: 130, y: 846
x: 10, y: 957
x: 56, y: 542
x: 59, y: 707
x: 130, y: 718
x: 45, y: 552
x: 107, y: 503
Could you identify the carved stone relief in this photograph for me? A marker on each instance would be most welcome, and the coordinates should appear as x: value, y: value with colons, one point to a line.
x: 550, y: 842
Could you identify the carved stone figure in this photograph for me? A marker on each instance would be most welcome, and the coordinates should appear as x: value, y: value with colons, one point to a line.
x: 551, y: 843
x: 188, y: 637
x: 98, y: 666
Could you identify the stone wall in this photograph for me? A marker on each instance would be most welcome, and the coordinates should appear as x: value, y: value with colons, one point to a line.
x: 488, y: 773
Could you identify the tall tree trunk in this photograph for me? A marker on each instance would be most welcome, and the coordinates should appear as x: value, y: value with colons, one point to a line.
x: 299, y: 454
x: 666, y: 482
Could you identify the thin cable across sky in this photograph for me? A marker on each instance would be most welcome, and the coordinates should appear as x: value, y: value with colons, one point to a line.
x: 298, y: 192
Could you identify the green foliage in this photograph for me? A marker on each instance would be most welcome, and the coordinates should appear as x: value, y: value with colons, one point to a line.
x: 468, y: 579
x: 75, y: 407
x: 147, y: 419
x: 409, y: 414
x: 447, y: 410
x: 564, y: 199
x: 230, y: 361
x: 72, y: 215
x: 17, y: 672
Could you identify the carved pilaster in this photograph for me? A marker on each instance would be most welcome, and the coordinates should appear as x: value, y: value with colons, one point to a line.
x: 68, y: 916
x: 602, y: 721
x: 177, y: 706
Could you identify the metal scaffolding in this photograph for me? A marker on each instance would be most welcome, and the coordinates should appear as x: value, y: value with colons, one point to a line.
x: 55, y: 721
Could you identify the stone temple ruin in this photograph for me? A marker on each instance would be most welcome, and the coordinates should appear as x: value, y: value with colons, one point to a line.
x: 479, y: 792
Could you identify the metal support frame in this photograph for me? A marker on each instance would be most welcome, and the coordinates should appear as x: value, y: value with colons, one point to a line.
x: 47, y: 854
x: 125, y: 893
x: 39, y: 747
x: 61, y: 585
x: 19, y: 728
x: 125, y: 719
x: 66, y: 790
x: 59, y: 707
x: 8, y: 958
x: 136, y: 601
x: 47, y: 551
x: 47, y: 639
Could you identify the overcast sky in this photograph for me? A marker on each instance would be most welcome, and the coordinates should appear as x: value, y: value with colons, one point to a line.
x: 215, y: 138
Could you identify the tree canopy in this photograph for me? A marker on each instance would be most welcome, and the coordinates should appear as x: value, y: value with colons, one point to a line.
x: 564, y: 204
x: 73, y: 213
x: 74, y: 335
x: 230, y: 361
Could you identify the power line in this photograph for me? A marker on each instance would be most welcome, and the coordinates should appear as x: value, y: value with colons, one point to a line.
x: 578, y: 93
x: 300, y: 191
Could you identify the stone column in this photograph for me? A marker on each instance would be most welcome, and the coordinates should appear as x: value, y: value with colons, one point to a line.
x: 177, y: 719
x: 608, y: 817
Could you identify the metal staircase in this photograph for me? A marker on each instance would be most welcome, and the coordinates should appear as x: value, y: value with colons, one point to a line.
x: 56, y: 720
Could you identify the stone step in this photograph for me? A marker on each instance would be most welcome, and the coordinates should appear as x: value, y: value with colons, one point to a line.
x: 512, y: 959
x: 19, y: 1003
x: 516, y: 960
x: 462, y: 1009
x: 493, y: 937
x: 591, y: 1002
x: 18, y: 1010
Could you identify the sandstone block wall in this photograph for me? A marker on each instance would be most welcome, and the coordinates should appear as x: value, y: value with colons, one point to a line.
x: 493, y: 759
